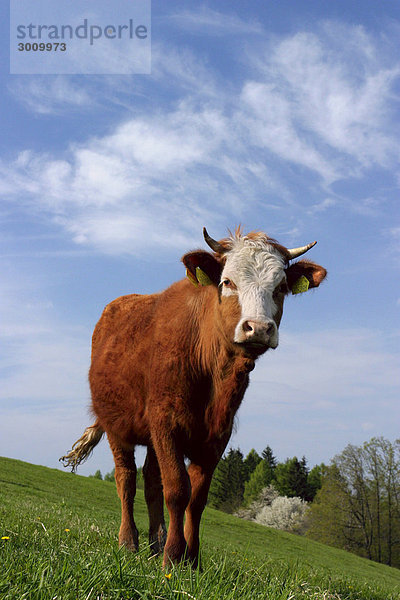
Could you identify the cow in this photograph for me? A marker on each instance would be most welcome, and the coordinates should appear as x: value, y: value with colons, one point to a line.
x: 169, y: 371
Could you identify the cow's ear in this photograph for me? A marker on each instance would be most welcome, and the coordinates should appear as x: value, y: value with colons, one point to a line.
x: 304, y: 275
x: 202, y: 268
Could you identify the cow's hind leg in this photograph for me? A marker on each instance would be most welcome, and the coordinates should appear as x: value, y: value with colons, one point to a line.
x: 153, y: 493
x: 125, y: 478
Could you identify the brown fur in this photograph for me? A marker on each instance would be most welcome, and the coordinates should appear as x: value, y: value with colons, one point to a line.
x: 166, y: 374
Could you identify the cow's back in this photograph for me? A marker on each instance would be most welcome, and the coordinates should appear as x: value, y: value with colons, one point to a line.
x: 118, y: 378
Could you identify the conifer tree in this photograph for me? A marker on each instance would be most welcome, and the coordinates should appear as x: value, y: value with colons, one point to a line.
x: 250, y: 463
x: 291, y: 478
x: 227, y: 486
x: 262, y: 476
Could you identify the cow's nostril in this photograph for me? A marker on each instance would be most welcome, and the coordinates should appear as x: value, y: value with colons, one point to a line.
x: 247, y: 327
x: 269, y: 328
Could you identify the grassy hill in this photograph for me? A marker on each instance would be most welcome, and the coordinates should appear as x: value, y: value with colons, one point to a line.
x: 60, y: 542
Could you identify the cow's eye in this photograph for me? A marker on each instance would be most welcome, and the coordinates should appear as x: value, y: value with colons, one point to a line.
x: 227, y: 283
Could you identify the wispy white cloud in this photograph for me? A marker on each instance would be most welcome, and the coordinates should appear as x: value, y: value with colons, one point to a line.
x: 210, y: 22
x: 270, y: 120
x: 50, y: 95
x: 328, y: 93
x: 185, y: 72
x: 323, y: 205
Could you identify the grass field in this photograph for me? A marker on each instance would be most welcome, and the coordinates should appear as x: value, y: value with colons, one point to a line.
x: 60, y: 542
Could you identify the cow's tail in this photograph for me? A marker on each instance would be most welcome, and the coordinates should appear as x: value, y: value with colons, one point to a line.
x: 83, y: 447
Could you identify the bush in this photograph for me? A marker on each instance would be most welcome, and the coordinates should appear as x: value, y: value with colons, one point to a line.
x: 287, y: 514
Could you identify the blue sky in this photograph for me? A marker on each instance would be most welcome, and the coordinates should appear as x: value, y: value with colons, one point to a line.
x: 282, y: 116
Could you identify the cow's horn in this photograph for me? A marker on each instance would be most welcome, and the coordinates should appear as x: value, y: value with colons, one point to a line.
x: 214, y: 245
x: 295, y: 252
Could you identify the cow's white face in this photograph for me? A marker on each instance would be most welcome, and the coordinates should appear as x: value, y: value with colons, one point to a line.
x: 254, y: 272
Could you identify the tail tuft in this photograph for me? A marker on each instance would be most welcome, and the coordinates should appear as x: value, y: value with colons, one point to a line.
x: 83, y: 447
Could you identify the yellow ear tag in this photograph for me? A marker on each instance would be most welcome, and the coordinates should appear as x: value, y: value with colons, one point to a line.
x: 202, y: 277
x: 301, y: 285
x: 191, y: 278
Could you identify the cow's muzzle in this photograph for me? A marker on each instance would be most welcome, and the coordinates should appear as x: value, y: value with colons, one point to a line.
x: 257, y: 335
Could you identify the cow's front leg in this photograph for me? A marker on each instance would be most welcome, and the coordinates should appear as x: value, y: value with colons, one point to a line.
x: 200, y: 480
x: 200, y: 471
x: 176, y: 486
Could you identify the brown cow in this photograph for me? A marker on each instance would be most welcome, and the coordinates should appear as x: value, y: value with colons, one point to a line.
x: 169, y: 371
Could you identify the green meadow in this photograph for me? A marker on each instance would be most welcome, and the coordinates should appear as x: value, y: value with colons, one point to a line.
x: 59, y: 541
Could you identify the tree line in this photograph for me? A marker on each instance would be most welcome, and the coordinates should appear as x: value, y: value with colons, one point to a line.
x: 239, y: 481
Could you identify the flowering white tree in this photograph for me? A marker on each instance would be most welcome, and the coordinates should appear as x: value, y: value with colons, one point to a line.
x: 283, y: 513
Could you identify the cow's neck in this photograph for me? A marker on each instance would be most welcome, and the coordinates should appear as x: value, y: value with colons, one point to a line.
x: 225, y: 363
